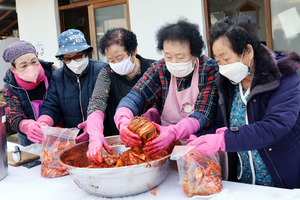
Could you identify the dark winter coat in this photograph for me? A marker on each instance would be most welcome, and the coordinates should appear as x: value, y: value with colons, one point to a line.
x: 273, y: 113
x: 17, y: 113
x: 68, y: 94
x: 18, y: 102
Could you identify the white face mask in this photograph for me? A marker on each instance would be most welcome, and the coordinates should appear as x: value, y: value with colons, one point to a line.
x: 124, y: 67
x: 78, y: 67
x: 180, y: 69
x: 235, y: 72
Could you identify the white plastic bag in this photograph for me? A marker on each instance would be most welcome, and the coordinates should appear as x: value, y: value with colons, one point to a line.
x: 199, y: 174
x: 55, y: 140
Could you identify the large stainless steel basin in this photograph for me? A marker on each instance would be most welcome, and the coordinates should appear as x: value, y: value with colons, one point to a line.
x: 113, y: 182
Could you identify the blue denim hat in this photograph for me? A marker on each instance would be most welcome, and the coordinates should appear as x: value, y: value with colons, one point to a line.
x: 71, y: 41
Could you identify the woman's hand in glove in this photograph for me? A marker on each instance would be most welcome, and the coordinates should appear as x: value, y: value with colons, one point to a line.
x: 84, y: 136
x: 210, y: 144
x: 122, y: 120
x: 183, y: 129
x: 94, y: 128
x: 32, y: 129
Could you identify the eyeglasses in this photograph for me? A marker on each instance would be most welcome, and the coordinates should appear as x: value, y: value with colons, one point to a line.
x: 77, y: 58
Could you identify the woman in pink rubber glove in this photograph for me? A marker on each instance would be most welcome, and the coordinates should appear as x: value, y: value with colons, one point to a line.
x: 26, y: 82
x: 71, y: 85
x: 114, y: 82
x: 259, y: 104
x: 182, y: 84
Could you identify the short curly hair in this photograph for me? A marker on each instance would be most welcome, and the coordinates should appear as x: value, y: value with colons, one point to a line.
x: 240, y: 31
x: 119, y: 36
x: 182, y: 31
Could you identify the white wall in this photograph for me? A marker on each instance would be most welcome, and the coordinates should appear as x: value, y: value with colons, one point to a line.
x: 4, y: 65
x: 146, y: 16
x: 38, y: 21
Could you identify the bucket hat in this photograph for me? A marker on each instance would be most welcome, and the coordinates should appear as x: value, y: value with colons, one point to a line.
x: 71, y: 41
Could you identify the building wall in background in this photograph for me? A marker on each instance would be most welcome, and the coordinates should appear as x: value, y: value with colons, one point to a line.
x: 147, y: 16
x: 38, y: 23
x: 4, y: 65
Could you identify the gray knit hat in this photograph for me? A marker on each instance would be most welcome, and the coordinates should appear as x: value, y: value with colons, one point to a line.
x: 17, y: 49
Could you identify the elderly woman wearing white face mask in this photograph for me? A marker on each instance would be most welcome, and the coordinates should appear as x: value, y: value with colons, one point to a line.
x: 258, y: 119
x: 72, y: 85
x: 182, y: 85
x: 114, y: 82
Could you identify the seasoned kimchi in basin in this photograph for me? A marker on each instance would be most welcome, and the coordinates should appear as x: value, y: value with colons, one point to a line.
x: 113, y: 182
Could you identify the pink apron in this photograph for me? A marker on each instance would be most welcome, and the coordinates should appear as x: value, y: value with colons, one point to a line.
x: 179, y: 105
x: 37, y: 104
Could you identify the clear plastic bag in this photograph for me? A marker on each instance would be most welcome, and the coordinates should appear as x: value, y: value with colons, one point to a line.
x: 55, y: 140
x: 199, y: 174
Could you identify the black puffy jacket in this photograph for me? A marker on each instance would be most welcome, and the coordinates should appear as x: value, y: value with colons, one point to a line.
x: 68, y: 94
x: 22, y: 95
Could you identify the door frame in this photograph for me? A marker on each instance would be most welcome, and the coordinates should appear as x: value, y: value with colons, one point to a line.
x: 91, y: 6
x: 268, y: 23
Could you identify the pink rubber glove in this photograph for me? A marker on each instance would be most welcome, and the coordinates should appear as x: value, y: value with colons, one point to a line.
x: 152, y: 114
x: 210, y: 144
x: 97, y: 141
x: 32, y: 129
x: 192, y: 137
x: 183, y: 129
x: 45, y: 120
x: 83, y: 136
x: 122, y: 120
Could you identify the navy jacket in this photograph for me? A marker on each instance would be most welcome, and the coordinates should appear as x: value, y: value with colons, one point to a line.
x: 21, y: 93
x: 68, y: 94
x: 273, y: 113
